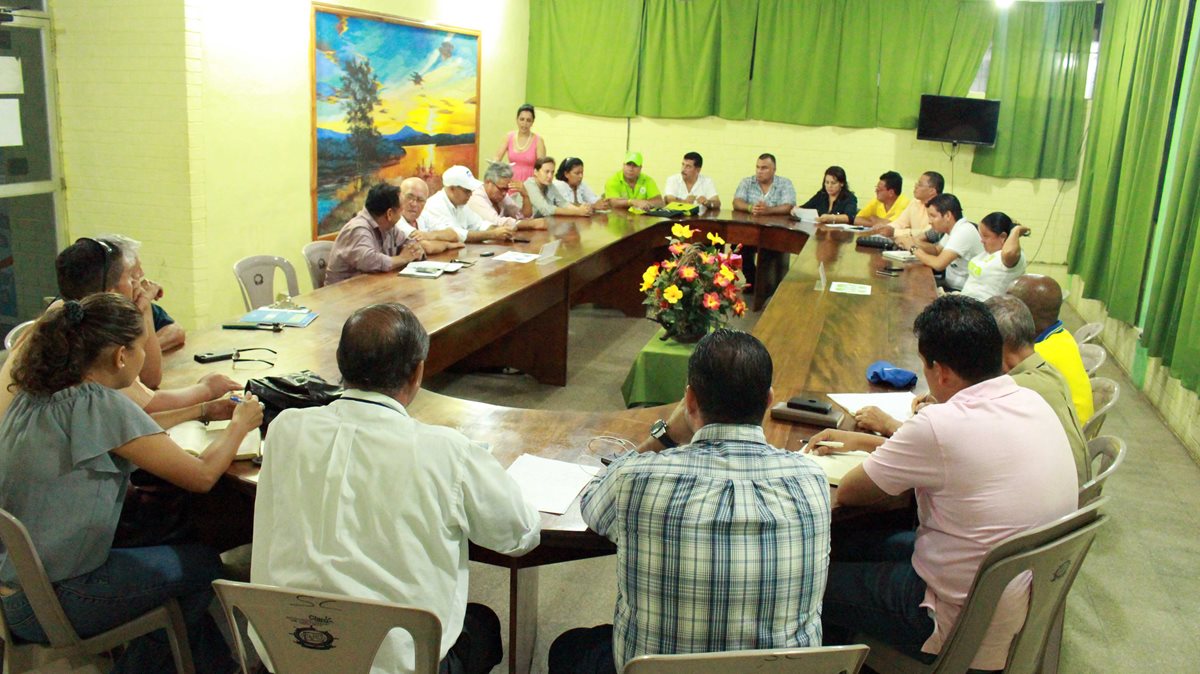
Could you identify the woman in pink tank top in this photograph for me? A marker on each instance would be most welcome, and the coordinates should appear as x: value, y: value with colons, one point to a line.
x: 522, y: 147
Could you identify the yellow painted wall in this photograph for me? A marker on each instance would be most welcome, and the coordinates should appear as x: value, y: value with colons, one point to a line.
x: 803, y: 153
x: 123, y: 116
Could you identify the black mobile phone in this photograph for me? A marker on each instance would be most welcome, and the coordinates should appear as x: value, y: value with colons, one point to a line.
x: 486, y: 253
x: 809, y: 404
x: 214, y: 356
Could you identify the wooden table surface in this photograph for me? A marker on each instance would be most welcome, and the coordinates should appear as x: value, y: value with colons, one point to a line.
x: 498, y: 313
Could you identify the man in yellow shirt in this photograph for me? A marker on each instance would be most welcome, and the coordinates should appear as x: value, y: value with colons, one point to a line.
x: 1043, y: 296
x: 888, y: 204
x: 913, y: 223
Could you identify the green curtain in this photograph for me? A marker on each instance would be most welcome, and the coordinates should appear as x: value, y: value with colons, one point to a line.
x: 1172, y: 322
x: 1039, y: 74
x: 1139, y: 45
x: 583, y: 55
x: 919, y: 54
x: 816, y: 62
x: 696, y: 58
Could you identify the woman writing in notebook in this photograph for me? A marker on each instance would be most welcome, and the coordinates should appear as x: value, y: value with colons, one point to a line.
x: 68, y: 443
x: 522, y: 147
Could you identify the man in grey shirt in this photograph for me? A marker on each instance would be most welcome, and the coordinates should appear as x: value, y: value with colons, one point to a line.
x: 374, y: 240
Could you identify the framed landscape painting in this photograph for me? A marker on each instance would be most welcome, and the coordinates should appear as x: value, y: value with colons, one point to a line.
x: 392, y: 98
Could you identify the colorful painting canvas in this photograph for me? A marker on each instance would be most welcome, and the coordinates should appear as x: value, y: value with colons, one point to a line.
x: 391, y: 99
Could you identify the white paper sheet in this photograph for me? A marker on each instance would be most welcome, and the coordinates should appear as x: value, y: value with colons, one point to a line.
x: 514, y: 256
x: 194, y: 437
x: 850, y: 288
x: 550, y: 486
x: 897, y: 405
x: 11, y: 80
x: 837, y: 465
x: 10, y: 123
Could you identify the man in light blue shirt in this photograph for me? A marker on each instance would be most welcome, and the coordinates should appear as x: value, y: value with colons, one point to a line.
x: 722, y: 542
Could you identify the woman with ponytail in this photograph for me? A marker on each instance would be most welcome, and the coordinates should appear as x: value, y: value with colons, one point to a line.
x: 67, y: 446
x: 1001, y: 263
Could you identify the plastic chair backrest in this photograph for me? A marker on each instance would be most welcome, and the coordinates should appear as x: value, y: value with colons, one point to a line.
x: 1111, y: 452
x: 1053, y: 553
x: 344, y: 637
x: 11, y: 337
x: 816, y: 660
x: 1088, y: 333
x: 316, y: 255
x: 33, y: 580
x: 1105, y: 393
x: 1093, y: 356
x: 256, y: 279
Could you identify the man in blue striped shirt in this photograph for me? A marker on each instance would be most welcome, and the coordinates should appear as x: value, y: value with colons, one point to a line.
x: 722, y: 543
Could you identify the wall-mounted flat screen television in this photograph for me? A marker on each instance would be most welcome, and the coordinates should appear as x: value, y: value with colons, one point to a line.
x: 950, y: 119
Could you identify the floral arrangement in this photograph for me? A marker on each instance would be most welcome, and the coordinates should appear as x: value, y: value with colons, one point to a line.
x: 693, y: 291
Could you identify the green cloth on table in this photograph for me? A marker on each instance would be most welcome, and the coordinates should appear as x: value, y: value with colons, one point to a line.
x: 659, y: 374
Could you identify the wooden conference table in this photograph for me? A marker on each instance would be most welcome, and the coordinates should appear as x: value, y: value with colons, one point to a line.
x: 508, y: 314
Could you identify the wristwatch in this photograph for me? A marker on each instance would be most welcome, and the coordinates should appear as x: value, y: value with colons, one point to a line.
x: 913, y: 249
x: 658, y: 431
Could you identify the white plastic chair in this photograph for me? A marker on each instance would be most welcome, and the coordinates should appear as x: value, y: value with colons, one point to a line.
x: 1110, y: 450
x: 11, y: 337
x: 256, y: 278
x: 316, y: 255
x: 356, y: 626
x: 816, y: 660
x: 65, y: 642
x: 1088, y: 333
x: 1105, y: 393
x: 1093, y: 356
x: 1053, y: 553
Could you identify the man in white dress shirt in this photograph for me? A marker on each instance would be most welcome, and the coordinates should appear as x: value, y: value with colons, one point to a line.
x: 690, y: 186
x: 448, y: 210
x: 358, y: 498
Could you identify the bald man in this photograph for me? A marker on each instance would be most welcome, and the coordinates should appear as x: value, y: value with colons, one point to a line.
x: 413, y: 195
x: 1043, y: 296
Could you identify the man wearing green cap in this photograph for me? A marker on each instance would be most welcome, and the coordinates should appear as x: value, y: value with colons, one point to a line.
x: 628, y: 187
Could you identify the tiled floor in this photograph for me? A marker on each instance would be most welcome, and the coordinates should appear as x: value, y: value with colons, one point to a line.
x: 1133, y: 607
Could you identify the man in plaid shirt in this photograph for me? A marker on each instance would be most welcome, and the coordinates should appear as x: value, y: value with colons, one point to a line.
x: 723, y: 542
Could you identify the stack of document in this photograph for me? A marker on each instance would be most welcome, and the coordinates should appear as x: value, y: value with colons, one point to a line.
x: 837, y: 465
x: 899, y: 255
x: 429, y: 269
x: 550, y: 486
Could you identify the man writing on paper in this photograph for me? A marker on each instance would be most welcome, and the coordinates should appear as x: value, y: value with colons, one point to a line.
x: 375, y: 240
x: 1043, y: 296
x: 888, y: 204
x: 328, y: 516
x: 448, y: 210
x: 722, y: 540
x: 907, y: 588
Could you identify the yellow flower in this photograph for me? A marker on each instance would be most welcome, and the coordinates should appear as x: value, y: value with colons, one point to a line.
x: 727, y: 272
x: 681, y: 231
x: 672, y: 294
x: 649, y: 276
x: 717, y: 240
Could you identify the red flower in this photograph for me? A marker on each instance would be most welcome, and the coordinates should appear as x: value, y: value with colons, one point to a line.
x: 675, y: 248
x: 687, y: 273
x: 720, y: 281
x: 712, y: 301
x: 739, y: 308
x: 731, y: 292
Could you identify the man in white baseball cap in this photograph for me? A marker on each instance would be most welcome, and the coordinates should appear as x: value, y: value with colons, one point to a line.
x: 448, y: 209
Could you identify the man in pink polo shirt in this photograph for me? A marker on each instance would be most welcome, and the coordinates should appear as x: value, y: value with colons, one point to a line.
x: 990, y: 462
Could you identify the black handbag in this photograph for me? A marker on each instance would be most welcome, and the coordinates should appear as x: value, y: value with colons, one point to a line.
x: 299, y: 389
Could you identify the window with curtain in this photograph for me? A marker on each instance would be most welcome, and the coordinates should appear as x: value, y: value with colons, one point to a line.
x: 1140, y: 42
x: 696, y: 58
x: 1039, y: 74
x: 583, y: 55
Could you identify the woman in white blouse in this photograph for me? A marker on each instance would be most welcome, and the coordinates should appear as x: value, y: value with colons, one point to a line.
x: 569, y: 183
x: 991, y: 272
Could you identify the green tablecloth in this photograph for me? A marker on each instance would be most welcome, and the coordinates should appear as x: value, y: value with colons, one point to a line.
x: 659, y: 374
